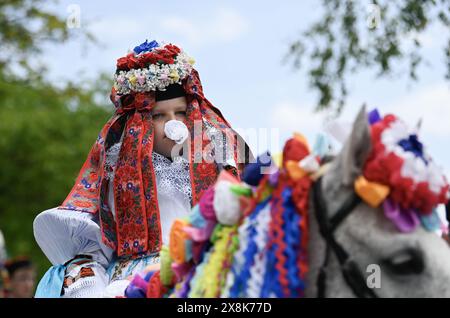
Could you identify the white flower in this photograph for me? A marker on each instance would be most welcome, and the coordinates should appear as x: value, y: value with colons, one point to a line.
x: 226, y: 204
x: 413, y: 167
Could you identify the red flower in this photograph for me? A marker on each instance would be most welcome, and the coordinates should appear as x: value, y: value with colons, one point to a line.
x: 380, y: 126
x: 294, y: 150
x: 424, y: 199
x: 133, y: 62
x: 392, y: 162
x: 166, y: 55
x: 122, y: 63
x: 173, y: 49
x: 149, y: 58
x: 374, y: 171
x: 142, y: 63
x: 401, y: 190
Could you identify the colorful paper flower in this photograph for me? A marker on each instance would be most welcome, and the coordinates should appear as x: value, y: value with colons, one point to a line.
x: 146, y: 46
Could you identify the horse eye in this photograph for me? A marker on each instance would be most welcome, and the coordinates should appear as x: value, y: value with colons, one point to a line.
x: 406, y: 262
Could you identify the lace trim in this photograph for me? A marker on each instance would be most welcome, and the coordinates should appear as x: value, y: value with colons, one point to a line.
x: 172, y: 177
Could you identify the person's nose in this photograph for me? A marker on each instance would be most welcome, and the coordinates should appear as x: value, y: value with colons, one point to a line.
x: 171, y: 116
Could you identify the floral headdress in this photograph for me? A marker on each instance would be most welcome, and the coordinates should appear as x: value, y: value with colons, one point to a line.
x: 151, y: 67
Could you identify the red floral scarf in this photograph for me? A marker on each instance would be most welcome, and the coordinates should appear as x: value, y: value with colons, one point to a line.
x: 136, y: 228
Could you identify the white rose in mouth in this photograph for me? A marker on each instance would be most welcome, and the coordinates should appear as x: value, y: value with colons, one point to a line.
x: 176, y: 130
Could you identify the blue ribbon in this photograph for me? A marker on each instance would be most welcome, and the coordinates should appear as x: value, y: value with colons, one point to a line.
x: 146, y: 46
x: 253, y: 171
x: 242, y: 275
x: 431, y: 222
x: 51, y: 284
x: 292, y: 238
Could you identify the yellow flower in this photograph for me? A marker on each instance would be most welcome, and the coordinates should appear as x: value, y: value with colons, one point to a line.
x: 133, y: 80
x: 174, y: 75
x: 191, y: 61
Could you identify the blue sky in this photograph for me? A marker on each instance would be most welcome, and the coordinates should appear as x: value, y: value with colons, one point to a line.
x: 239, y: 47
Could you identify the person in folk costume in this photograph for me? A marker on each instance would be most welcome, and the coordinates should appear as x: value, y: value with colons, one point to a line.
x: 163, y: 147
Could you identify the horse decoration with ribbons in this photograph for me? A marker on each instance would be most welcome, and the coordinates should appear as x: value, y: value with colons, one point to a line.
x: 305, y: 224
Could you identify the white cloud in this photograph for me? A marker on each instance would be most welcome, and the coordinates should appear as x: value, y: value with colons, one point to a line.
x: 116, y: 28
x: 183, y: 27
x: 229, y: 25
x: 292, y: 117
x: 431, y: 104
x: 224, y: 26
x: 288, y: 115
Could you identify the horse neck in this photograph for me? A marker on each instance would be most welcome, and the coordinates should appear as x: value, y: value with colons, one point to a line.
x: 335, y: 283
x: 316, y: 251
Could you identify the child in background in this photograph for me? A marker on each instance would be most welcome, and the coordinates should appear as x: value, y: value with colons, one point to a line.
x: 21, y: 278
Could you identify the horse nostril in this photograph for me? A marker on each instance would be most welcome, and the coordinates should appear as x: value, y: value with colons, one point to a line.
x: 406, y: 262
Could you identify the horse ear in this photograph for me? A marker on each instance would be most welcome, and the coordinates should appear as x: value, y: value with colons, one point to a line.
x: 356, y: 149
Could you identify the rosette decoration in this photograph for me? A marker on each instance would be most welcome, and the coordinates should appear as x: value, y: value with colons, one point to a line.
x: 401, y: 176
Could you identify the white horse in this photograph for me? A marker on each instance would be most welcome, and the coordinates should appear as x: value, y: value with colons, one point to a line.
x: 415, y: 264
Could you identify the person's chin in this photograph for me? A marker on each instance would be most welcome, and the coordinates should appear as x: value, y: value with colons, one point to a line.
x: 176, y: 148
x: 167, y: 150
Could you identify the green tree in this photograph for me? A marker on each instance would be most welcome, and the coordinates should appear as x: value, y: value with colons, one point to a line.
x: 45, y: 131
x: 356, y: 35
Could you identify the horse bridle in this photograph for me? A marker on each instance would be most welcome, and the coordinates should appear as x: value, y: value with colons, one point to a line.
x: 327, y: 226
